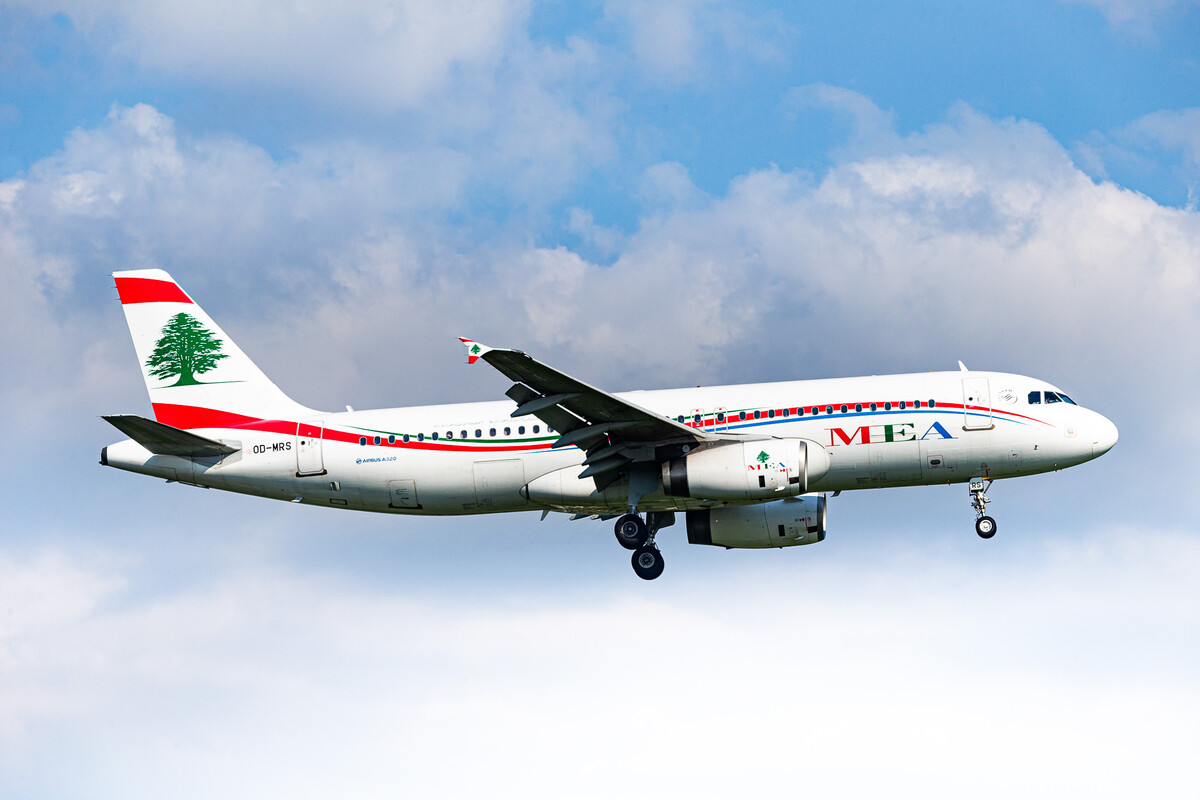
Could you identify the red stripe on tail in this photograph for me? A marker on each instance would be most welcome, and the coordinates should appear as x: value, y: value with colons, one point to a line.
x: 187, y: 417
x: 148, y: 290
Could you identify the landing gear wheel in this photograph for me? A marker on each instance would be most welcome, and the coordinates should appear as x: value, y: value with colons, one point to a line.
x: 647, y: 562
x: 632, y: 532
x: 986, y: 527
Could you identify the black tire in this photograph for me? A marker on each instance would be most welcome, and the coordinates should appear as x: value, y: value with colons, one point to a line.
x: 631, y: 531
x: 985, y: 527
x: 647, y: 562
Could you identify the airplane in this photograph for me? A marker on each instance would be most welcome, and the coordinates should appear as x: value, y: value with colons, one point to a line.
x: 749, y: 466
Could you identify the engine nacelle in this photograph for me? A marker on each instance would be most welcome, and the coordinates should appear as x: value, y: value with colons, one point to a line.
x: 755, y: 470
x: 796, y: 520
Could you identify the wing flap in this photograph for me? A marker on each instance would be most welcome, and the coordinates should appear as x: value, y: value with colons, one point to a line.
x: 551, y: 390
x: 164, y: 440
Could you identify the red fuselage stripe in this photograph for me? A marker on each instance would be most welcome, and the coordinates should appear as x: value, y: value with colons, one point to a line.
x: 189, y: 417
x: 148, y: 290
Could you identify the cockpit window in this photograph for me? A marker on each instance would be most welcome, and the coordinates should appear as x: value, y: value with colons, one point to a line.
x: 1035, y: 398
x: 1051, y: 397
x: 1066, y: 399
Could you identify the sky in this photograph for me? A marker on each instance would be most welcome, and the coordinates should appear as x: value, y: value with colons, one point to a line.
x: 645, y: 195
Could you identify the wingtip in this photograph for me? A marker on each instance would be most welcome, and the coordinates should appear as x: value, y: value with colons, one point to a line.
x: 475, y: 350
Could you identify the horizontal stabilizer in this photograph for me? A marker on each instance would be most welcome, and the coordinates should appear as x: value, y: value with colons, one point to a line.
x: 163, y: 440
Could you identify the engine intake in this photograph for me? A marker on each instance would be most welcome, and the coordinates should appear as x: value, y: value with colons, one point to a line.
x: 786, y: 523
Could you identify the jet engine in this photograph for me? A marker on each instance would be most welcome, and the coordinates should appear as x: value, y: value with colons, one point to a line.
x: 793, y: 521
x: 754, y: 470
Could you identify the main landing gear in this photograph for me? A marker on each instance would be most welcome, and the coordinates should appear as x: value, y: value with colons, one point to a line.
x: 637, y: 534
x: 985, y: 526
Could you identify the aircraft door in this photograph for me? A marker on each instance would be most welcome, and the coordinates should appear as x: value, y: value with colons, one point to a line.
x: 309, y: 437
x: 977, y: 405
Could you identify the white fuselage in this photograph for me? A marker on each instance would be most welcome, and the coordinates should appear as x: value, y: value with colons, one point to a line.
x: 472, y: 458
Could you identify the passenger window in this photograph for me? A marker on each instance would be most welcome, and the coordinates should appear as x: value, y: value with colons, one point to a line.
x: 433, y: 436
x: 391, y: 440
x: 858, y: 406
x: 478, y: 433
x: 1035, y: 398
x: 462, y: 435
x: 828, y: 409
x: 741, y: 415
x: 404, y: 438
x: 800, y: 411
x: 362, y: 440
x: 815, y: 410
x: 376, y: 440
x: 874, y: 407
x: 758, y: 415
x: 902, y: 405
x: 537, y: 429
x: 771, y: 413
x: 786, y: 412
x: 917, y: 404
x: 521, y: 430
x: 508, y: 431
x: 420, y: 437
x: 449, y: 434
x: 932, y: 404
x: 491, y: 432
x: 845, y: 408
x: 721, y: 417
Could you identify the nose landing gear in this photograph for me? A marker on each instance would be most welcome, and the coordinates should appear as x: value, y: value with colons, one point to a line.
x: 637, y: 535
x: 985, y: 526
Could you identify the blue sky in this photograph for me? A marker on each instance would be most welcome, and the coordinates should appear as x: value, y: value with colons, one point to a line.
x: 645, y: 195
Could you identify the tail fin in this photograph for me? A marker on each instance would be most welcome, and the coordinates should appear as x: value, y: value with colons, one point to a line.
x: 196, y: 376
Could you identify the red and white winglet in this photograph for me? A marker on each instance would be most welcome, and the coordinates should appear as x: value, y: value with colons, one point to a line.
x: 475, y: 350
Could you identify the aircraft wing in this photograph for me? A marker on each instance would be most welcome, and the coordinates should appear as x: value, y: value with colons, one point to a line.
x: 614, y: 432
x: 164, y: 440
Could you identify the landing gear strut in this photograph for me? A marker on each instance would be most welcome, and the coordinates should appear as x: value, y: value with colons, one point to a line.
x: 637, y: 535
x: 985, y: 526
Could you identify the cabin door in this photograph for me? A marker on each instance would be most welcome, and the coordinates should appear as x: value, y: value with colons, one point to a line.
x: 977, y: 404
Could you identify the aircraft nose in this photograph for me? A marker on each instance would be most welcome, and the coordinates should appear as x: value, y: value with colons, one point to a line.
x: 1104, y: 436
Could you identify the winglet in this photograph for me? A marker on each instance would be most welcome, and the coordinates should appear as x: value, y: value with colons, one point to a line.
x: 475, y: 350
x: 962, y: 367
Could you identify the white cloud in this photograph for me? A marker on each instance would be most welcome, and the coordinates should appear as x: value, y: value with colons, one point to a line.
x: 386, y: 54
x: 1070, y: 665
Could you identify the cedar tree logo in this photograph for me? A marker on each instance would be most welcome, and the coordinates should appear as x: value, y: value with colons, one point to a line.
x: 763, y: 458
x: 186, y: 349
